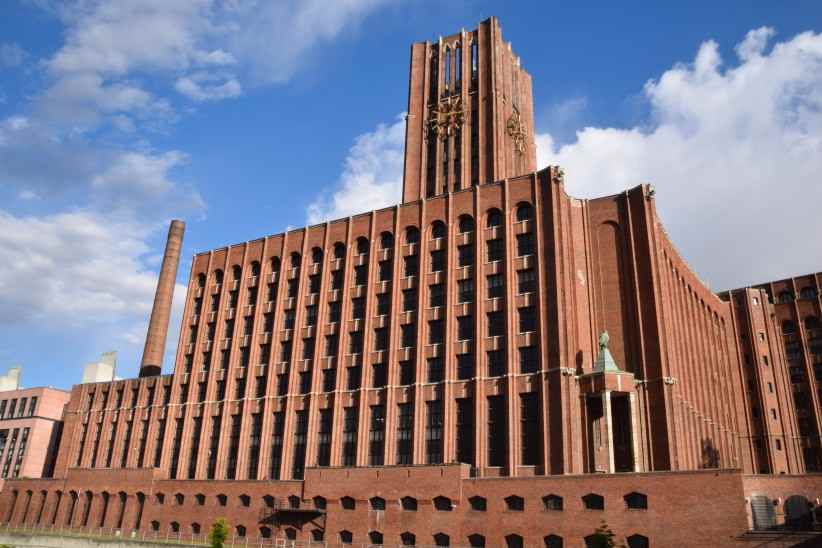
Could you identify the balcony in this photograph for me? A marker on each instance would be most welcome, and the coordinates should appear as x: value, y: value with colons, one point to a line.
x: 225, y: 344
x: 230, y: 313
x: 273, y: 277
x: 207, y: 346
x: 252, y: 281
x: 235, y: 285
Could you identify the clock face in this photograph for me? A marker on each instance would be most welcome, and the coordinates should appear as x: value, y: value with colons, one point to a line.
x: 445, y: 118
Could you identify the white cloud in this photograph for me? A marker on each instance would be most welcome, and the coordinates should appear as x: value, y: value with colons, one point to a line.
x: 74, y: 268
x: 11, y: 54
x: 202, y: 86
x: 735, y: 155
x: 110, y: 43
x: 371, y: 178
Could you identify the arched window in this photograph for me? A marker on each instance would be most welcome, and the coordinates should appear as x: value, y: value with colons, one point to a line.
x: 636, y: 501
x: 236, y: 272
x: 412, y: 235
x: 195, y: 528
x: 295, y: 260
x: 317, y: 535
x: 265, y: 532
x: 159, y: 498
x: 466, y: 224
x: 552, y: 502
x: 409, y: 504
x: 362, y: 245
x: 245, y: 500
x: 788, y: 327
x: 174, y: 526
x: 447, y: 67
x: 524, y: 211
x: 513, y: 541
x: 316, y: 255
x: 493, y: 218
x: 201, y: 279
x: 218, y: 276
x: 339, y: 250
x: 346, y: 537
x: 592, y: 501
x: 222, y: 500
x: 408, y: 539
x: 241, y: 531
x: 268, y: 500
x: 294, y: 502
x: 386, y: 240
x: 638, y: 541
x: 438, y: 229
x: 255, y: 268
x: 275, y: 264
x: 515, y: 503
x: 553, y: 541
x: 476, y: 540
x: 812, y: 322
x: 377, y: 503
x: 458, y: 70
x: 442, y: 504
x: 478, y: 504
x: 320, y: 503
x: 441, y: 539
x: 155, y: 525
x: 290, y: 533
x: 348, y: 503
x: 179, y: 499
x: 375, y: 537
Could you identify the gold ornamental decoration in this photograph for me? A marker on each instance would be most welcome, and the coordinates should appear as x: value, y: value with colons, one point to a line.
x: 517, y: 131
x: 445, y: 118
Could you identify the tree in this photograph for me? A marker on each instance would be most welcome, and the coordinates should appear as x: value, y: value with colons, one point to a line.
x: 218, y: 534
x: 603, y: 537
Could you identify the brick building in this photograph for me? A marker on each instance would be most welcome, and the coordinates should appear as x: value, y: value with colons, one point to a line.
x: 490, y: 362
x: 30, y: 429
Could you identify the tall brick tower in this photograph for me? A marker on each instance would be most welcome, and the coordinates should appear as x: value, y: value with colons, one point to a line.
x: 470, y: 114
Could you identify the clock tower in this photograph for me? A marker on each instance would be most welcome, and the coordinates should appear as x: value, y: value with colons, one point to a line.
x: 470, y: 114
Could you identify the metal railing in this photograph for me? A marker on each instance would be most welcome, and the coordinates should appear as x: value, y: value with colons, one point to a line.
x: 187, y: 539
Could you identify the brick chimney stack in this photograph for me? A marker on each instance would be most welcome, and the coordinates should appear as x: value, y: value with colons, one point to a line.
x: 163, y: 297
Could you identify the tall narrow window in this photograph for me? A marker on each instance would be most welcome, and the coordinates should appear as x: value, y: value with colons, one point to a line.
x: 465, y: 430
x: 277, y: 444
x: 214, y: 446
x: 447, y: 68
x: 300, y: 438
x: 233, y: 446
x: 254, y: 445
x: 158, y: 447
x: 176, y: 443
x: 126, y: 443
x: 497, y: 431
x: 435, y: 370
x: 324, y: 438
x: 376, y: 436
x: 529, y: 426
x: 433, y: 432
x: 458, y: 66
x: 349, y: 456
x: 474, y: 60
x: 465, y: 366
x: 196, y: 432
x: 405, y: 433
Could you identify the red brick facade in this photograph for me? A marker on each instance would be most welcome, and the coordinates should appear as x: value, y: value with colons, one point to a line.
x: 325, y: 375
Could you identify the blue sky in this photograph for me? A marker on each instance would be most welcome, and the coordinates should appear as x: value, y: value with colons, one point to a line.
x: 244, y: 118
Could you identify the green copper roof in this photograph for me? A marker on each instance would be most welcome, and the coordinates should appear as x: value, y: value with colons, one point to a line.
x: 605, y: 361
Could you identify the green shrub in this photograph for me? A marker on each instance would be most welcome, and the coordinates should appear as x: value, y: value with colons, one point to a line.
x: 218, y: 534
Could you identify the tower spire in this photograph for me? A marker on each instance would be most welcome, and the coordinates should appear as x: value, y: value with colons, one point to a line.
x: 470, y: 114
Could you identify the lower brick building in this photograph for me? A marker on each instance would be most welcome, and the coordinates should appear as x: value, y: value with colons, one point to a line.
x: 490, y: 362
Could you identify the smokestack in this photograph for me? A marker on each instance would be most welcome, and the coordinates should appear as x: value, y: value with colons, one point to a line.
x: 161, y: 311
